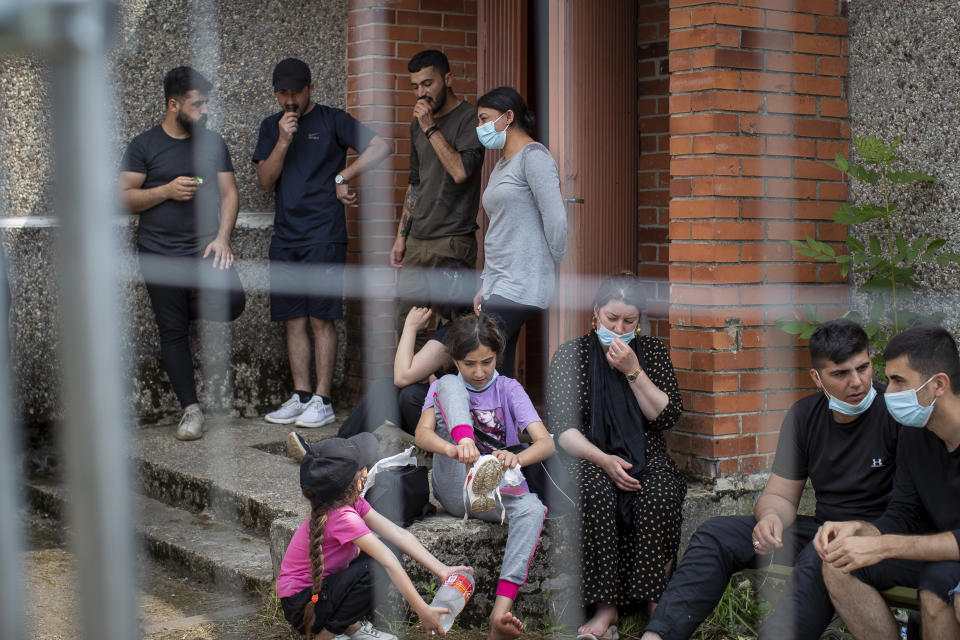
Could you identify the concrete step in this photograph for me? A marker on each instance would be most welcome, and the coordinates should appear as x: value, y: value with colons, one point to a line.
x: 201, y: 544
x: 239, y: 470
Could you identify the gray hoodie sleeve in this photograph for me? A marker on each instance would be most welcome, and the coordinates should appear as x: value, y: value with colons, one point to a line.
x: 543, y: 178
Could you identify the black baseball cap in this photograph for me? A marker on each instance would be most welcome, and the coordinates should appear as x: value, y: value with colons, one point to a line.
x: 330, y: 465
x: 292, y: 74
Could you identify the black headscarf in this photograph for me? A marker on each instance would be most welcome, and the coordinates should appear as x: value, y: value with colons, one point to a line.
x: 617, y: 426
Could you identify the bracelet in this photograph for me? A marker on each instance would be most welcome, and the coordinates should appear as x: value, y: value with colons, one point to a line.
x: 429, y: 132
x: 633, y: 376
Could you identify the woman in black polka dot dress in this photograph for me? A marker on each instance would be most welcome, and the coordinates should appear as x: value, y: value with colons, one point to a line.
x: 610, y: 396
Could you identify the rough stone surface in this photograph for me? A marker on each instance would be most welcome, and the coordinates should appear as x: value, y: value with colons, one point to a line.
x: 904, y: 82
x: 236, y: 44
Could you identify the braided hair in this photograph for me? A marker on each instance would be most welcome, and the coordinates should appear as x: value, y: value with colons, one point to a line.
x: 318, y: 523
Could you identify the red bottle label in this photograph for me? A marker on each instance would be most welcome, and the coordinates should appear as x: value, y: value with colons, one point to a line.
x: 462, y: 584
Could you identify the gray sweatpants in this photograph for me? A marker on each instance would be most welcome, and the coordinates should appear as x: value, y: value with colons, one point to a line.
x: 524, y: 513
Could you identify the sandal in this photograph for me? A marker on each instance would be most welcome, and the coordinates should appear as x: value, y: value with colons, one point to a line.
x: 609, y: 634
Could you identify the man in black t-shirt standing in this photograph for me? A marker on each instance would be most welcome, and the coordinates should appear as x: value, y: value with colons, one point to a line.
x: 301, y: 154
x: 916, y: 542
x: 179, y: 178
x: 844, y: 441
x: 436, y: 242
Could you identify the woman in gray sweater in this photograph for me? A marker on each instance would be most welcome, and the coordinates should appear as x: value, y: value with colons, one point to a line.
x: 527, y: 234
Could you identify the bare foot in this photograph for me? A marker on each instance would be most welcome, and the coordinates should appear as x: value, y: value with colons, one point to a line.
x: 505, y: 627
x: 605, y: 615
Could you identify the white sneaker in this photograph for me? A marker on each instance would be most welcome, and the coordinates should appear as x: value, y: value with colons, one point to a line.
x: 316, y: 414
x: 296, y: 446
x: 191, y: 425
x: 368, y: 632
x: 288, y: 412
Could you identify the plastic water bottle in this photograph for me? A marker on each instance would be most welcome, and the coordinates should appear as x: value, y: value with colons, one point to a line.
x: 453, y: 594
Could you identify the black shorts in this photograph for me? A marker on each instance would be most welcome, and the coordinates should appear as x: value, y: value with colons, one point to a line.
x: 938, y: 578
x: 307, y: 281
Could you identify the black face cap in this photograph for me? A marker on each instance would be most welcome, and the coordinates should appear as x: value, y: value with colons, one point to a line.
x: 329, y: 466
x: 291, y: 74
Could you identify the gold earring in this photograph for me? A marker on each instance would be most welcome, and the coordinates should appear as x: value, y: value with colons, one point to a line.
x: 593, y: 322
x: 636, y: 332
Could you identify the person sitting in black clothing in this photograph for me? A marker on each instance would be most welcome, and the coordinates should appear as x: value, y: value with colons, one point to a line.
x: 398, y: 402
x: 843, y: 440
x: 916, y: 542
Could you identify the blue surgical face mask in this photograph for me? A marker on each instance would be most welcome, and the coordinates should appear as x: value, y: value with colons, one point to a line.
x: 906, y: 409
x: 606, y: 336
x: 490, y: 137
x: 846, y: 408
x: 470, y: 387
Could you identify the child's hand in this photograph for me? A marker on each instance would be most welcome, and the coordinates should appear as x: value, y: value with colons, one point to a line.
x: 507, y: 459
x: 446, y: 572
x: 430, y: 620
x: 419, y: 318
x: 467, y: 452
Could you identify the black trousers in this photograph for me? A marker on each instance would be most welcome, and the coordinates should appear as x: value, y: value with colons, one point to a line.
x: 385, y: 401
x: 345, y: 598
x: 722, y: 546
x: 221, y: 299
x: 510, y: 318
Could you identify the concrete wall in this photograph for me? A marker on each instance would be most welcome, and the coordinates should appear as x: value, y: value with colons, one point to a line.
x: 246, y: 39
x: 904, y: 82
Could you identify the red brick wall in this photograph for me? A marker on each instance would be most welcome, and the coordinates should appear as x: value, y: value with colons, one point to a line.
x: 653, y: 172
x: 382, y: 35
x: 757, y: 99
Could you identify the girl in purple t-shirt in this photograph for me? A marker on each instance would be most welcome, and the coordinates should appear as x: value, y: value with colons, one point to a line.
x: 482, y: 413
x: 326, y: 578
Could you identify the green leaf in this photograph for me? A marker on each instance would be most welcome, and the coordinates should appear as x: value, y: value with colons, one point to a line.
x: 875, y: 247
x: 840, y: 162
x: 918, y: 243
x: 904, y: 177
x: 878, y: 284
x: 901, y: 244
x: 793, y: 327
x: 855, y: 244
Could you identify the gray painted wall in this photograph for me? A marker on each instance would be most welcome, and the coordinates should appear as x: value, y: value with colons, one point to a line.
x: 905, y: 82
x: 248, y: 38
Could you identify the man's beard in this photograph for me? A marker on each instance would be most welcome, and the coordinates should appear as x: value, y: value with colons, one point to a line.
x: 189, y: 125
x: 441, y: 100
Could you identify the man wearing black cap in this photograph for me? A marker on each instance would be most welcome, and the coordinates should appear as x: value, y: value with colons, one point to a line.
x: 179, y: 178
x: 301, y: 154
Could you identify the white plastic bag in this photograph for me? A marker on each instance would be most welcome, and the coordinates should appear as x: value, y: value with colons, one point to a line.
x: 402, y: 459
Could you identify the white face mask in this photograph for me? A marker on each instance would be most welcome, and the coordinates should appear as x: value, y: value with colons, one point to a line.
x: 906, y: 409
x: 846, y: 408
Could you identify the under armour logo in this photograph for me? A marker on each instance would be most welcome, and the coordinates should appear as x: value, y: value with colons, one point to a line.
x: 877, y: 462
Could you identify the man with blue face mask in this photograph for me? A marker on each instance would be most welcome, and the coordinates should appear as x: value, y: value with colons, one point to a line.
x: 916, y: 543
x: 843, y: 440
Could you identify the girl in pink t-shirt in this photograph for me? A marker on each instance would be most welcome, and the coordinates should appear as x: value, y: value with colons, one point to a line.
x: 326, y: 579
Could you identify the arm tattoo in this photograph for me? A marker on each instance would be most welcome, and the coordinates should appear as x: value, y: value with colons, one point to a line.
x: 411, y: 201
x: 405, y: 223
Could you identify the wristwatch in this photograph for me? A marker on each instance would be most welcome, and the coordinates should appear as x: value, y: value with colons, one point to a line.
x: 339, y: 179
x: 633, y: 376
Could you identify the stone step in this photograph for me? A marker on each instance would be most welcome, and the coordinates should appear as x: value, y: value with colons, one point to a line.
x: 203, y: 545
x: 239, y: 470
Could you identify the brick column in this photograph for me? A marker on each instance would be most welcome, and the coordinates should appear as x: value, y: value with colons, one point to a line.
x: 757, y: 98
x: 382, y: 35
x: 653, y: 169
